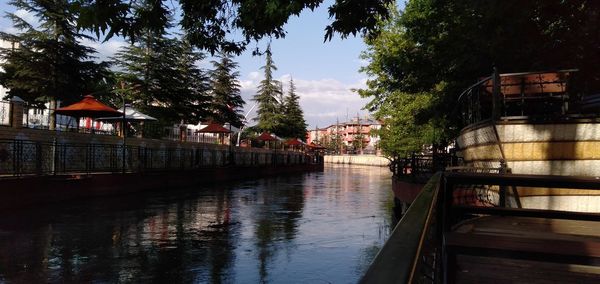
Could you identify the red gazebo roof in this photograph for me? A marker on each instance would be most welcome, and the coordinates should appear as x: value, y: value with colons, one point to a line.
x: 293, y: 142
x: 214, y: 128
x: 315, y: 146
x: 265, y: 136
x: 88, y: 107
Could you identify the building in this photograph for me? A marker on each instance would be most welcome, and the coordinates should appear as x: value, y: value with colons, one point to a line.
x: 355, y: 136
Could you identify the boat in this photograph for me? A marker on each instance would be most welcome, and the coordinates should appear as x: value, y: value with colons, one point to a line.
x: 523, y: 206
x: 534, y: 123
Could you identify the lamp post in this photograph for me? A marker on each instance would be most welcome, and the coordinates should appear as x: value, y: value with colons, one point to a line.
x: 123, y: 127
x: 244, y: 124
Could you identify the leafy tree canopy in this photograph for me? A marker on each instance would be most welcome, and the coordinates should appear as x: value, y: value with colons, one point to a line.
x: 210, y: 23
x: 438, y: 48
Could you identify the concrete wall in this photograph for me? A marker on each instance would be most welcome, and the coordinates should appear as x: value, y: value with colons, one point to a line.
x: 367, y: 160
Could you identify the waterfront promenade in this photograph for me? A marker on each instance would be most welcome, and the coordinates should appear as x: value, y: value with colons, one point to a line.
x: 40, y: 166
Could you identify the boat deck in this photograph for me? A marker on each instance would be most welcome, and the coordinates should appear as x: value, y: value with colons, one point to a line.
x: 503, y: 249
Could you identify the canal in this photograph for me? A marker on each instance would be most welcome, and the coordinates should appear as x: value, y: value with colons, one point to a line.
x: 321, y: 227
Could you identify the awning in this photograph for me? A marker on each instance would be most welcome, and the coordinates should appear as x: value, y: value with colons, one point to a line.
x: 213, y: 128
x: 293, y: 142
x: 131, y: 114
x: 265, y: 136
x: 88, y: 107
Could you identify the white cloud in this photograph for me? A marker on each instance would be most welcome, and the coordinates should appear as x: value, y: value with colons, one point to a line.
x: 27, y: 16
x: 105, y: 49
x: 253, y: 75
x: 323, y: 101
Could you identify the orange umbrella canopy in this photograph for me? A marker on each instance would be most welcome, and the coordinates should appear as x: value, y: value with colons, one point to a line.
x: 88, y: 107
x: 265, y: 136
x: 214, y: 128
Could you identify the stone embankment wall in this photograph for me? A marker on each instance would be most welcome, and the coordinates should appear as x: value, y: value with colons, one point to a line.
x: 366, y: 160
x: 26, y: 151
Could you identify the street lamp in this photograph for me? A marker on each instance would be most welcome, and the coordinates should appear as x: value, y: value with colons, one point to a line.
x: 122, y: 91
x: 244, y: 121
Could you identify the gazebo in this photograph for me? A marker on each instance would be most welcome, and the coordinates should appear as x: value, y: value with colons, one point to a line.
x: 265, y: 136
x: 88, y: 107
x: 215, y: 128
x: 314, y: 147
x: 293, y: 143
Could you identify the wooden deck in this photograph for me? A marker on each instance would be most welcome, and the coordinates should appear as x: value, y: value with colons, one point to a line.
x: 501, y: 249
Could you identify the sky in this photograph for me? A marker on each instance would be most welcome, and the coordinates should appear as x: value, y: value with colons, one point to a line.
x: 324, y: 73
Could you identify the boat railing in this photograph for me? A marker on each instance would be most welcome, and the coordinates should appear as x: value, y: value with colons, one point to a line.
x: 531, y: 96
x: 419, y: 168
x: 417, y: 250
x: 413, y: 250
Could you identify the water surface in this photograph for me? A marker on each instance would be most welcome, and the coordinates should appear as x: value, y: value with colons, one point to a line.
x: 321, y: 227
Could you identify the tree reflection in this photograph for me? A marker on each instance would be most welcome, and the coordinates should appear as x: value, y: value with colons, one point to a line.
x: 277, y: 218
x: 181, y: 240
x: 302, y: 228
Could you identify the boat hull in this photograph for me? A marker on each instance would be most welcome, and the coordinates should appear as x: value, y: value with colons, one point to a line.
x: 566, y: 148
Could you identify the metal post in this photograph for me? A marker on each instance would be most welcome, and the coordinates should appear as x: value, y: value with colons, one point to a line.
x: 502, y: 188
x: 123, y: 130
x: 495, y: 94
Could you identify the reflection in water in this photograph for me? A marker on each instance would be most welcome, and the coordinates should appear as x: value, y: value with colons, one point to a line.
x: 317, y: 227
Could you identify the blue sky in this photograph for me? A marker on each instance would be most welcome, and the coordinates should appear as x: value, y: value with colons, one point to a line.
x: 324, y: 72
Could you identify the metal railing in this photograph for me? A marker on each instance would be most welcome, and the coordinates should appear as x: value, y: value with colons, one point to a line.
x: 487, y: 100
x: 175, y: 134
x: 416, y: 251
x: 419, y: 168
x: 412, y: 252
x: 19, y: 158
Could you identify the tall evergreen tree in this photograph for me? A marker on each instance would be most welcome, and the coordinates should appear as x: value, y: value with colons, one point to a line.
x: 226, y: 98
x: 166, y: 81
x: 47, y: 62
x: 195, y: 84
x: 294, y: 123
x: 269, y: 116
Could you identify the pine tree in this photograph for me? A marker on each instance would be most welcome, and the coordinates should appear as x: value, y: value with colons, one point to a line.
x: 268, y: 92
x: 47, y: 62
x: 195, y: 85
x: 294, y: 123
x: 226, y: 98
x: 166, y: 81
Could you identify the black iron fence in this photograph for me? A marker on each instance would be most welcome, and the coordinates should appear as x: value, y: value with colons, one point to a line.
x: 20, y: 157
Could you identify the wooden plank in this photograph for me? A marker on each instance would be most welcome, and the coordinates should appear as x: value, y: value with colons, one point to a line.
x: 540, y: 213
x: 583, y: 248
x: 477, y: 269
x: 530, y: 238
